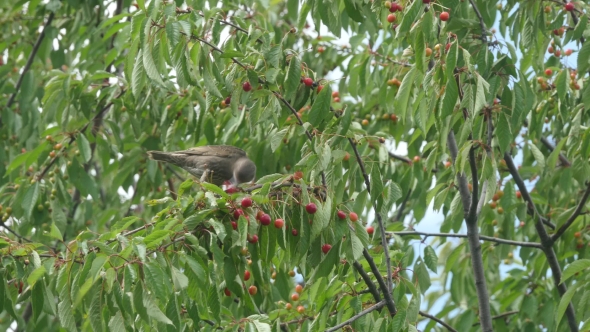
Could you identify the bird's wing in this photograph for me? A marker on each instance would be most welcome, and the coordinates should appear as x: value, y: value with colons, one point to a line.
x: 223, y: 151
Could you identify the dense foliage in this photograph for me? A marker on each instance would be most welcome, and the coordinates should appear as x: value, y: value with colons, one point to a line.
x: 96, y: 236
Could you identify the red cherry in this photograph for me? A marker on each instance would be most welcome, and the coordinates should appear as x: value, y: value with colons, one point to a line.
x: 227, y: 292
x: 299, y: 289
x: 426, y: 1
x: 238, y: 213
x: 308, y: 81
x: 416, y: 159
x: 337, y: 99
x: 295, y: 297
x: 247, y: 86
x: 568, y: 52
x: 558, y: 53
x: 246, y: 202
x: 393, y: 8
x: 253, y: 239
x: 298, y: 175
x: 370, y: 230
x: 341, y: 215
x: 391, y: 18
x: 279, y: 223
x: 518, y: 195
x: 227, y: 100
x: 447, y: 47
x: 311, y: 208
x: 548, y: 72
x: 252, y: 290
x: 320, y: 87
x: 353, y: 216
x: 246, y: 275
x: 265, y: 219
x: 325, y: 248
x: 569, y: 6
x: 335, y: 94
x: 231, y: 190
x: 234, y: 225
x: 294, y: 232
x: 550, y: 49
x: 444, y: 16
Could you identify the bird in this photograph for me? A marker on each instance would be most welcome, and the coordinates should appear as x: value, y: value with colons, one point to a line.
x: 216, y: 164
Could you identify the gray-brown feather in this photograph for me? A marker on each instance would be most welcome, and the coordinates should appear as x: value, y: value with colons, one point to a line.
x: 218, y: 159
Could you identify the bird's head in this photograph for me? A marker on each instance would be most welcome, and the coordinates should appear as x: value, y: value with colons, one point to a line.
x: 244, y: 171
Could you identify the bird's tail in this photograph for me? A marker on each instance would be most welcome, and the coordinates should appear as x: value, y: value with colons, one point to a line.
x: 159, y: 155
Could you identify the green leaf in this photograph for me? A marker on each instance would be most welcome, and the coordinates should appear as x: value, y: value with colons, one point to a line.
x: 155, y: 238
x: 538, y: 155
x: 503, y: 132
x: 403, y: 94
x: 84, y: 147
x: 564, y: 302
x: 450, y: 98
x: 430, y: 258
x: 554, y: 156
x: 293, y: 78
x: 575, y: 267
x: 561, y: 84
x: 584, y: 58
x: 451, y: 62
x: 320, y: 110
x: 35, y: 275
x: 148, y: 63
x: 30, y: 200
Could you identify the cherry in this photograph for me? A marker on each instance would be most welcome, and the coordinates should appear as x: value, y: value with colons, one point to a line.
x: 234, y: 225
x: 370, y: 230
x: 231, y: 190
x: 246, y: 202
x: 247, y: 86
x: 57, y: 146
x: 426, y: 1
x: 548, y: 72
x: 299, y: 288
x: 227, y: 292
x: 320, y: 87
x: 288, y: 306
x: 252, y: 290
x: 238, y: 213
x: 294, y: 232
x: 335, y: 94
x: 341, y: 215
x: 569, y: 6
x: 325, y: 248
x: 391, y: 18
x: 353, y: 216
x: 308, y: 81
x: 295, y: 297
x: 444, y: 16
x: 558, y: 53
x: 246, y: 275
x: 253, y: 239
x: 265, y: 219
x: 311, y: 208
x: 428, y: 51
x: 300, y: 309
x: 298, y: 175
x: 227, y: 100
x: 279, y: 223
x: 568, y: 52
x: 416, y: 159
x: 337, y: 99
x: 550, y: 49
x: 346, y: 157
x: 518, y: 195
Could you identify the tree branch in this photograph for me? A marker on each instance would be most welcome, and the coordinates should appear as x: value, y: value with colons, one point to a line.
x: 449, y: 327
x: 546, y: 241
x: 357, y: 316
x: 502, y: 315
x: 2, y: 224
x: 387, y: 295
x: 401, y: 158
x: 481, y: 237
x: 379, y: 222
x: 483, y: 299
x: 29, y: 62
x: 574, y: 215
x: 371, y: 286
x: 400, y: 210
x: 484, y: 30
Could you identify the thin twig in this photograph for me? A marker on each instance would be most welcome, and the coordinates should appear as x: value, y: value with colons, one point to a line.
x: 502, y: 315
x: 398, y: 157
x: 387, y: 295
x: 357, y: 316
x: 371, y: 286
x: 29, y: 62
x: 400, y: 210
x: 482, y: 237
x: 574, y: 215
x: 449, y: 327
x: 2, y: 224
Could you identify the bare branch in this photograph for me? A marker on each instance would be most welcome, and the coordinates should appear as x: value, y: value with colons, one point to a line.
x: 401, y: 158
x: 357, y: 316
x: 484, y: 30
x: 449, y: 327
x: 2, y: 224
x: 502, y: 315
x: 481, y: 237
x: 387, y: 295
x: 574, y: 215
